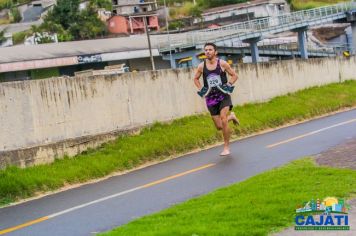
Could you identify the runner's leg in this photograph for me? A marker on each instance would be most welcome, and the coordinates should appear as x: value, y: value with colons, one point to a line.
x: 225, y: 130
x: 232, y: 117
x: 217, y: 122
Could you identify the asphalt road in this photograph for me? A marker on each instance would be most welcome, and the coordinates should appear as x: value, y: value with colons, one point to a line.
x: 101, y: 206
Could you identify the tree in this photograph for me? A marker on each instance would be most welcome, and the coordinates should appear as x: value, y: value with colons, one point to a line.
x: 65, y: 12
x: 195, y: 11
x: 36, y: 29
x: 107, y: 4
x: 52, y: 27
x: 69, y: 23
x: 6, y: 4
x: 88, y: 25
x: 15, y: 15
x: 176, y: 25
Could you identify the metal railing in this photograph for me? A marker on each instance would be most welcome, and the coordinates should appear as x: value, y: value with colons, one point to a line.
x: 293, y: 49
x: 290, y: 47
x: 258, y: 27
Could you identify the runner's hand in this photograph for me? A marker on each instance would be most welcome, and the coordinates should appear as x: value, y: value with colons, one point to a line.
x: 203, y: 92
x: 227, y: 88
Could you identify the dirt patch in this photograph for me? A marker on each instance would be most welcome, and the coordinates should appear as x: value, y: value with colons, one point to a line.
x: 327, y: 32
x: 341, y: 156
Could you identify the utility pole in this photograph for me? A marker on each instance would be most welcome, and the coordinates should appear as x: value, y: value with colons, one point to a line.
x: 167, y: 28
x: 149, y: 43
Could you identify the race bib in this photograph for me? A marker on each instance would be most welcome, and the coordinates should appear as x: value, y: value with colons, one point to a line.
x: 214, y: 80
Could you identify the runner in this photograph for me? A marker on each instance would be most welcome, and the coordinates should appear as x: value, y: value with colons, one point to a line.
x: 217, y: 90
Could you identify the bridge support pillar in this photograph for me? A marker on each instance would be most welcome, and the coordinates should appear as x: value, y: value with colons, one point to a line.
x: 254, y: 49
x: 349, y: 39
x: 173, y: 63
x: 302, y: 43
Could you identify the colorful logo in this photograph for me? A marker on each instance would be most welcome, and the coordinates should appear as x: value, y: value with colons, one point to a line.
x: 329, y: 214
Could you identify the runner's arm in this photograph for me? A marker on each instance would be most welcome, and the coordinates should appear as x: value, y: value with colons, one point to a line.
x: 230, y: 71
x: 197, y: 75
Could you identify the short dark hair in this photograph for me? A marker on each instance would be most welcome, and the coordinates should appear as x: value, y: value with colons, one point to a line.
x: 211, y: 44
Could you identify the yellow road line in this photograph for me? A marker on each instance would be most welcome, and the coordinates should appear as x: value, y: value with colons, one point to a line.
x: 8, y: 230
x: 4, y: 231
x: 177, y: 175
x: 310, y: 133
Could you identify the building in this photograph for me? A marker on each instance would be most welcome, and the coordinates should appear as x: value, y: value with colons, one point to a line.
x: 22, y: 62
x: 337, y: 207
x: 130, y: 16
x: 247, y: 10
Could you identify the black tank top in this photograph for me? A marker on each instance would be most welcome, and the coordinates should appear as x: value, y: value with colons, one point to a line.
x: 214, y: 77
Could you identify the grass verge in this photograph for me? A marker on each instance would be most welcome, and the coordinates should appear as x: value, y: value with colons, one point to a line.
x: 307, y: 4
x: 162, y: 140
x: 258, y: 206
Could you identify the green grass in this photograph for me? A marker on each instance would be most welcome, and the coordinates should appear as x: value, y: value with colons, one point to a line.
x: 162, y: 140
x: 262, y: 204
x: 44, y: 73
x: 4, y: 21
x: 19, y: 37
x: 307, y: 4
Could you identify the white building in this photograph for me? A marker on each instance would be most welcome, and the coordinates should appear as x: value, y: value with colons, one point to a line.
x: 129, y: 7
x: 253, y: 9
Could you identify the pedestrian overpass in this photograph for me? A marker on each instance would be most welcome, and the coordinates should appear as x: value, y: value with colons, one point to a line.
x: 251, y: 32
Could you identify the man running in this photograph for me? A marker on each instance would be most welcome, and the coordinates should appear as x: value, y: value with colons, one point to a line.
x: 216, y: 91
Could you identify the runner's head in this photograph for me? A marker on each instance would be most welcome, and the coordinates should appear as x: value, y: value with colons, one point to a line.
x: 210, y: 51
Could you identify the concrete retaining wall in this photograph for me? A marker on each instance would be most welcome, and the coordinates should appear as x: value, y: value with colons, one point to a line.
x: 44, y: 119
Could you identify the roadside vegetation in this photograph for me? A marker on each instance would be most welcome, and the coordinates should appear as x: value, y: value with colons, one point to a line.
x: 19, y: 37
x: 260, y: 205
x: 160, y: 141
x: 307, y: 4
x: 45, y: 73
x: 67, y: 21
x: 7, y: 4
